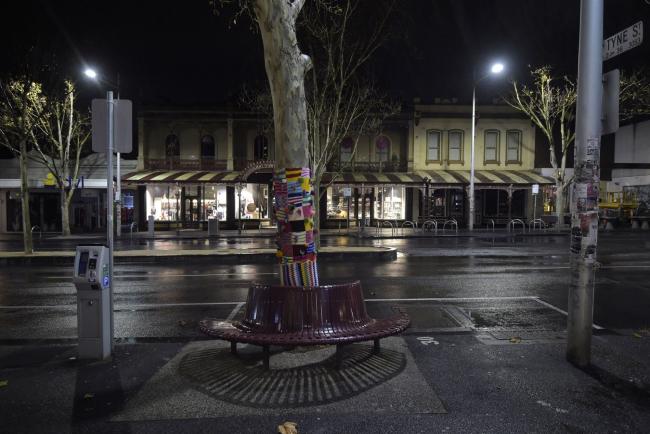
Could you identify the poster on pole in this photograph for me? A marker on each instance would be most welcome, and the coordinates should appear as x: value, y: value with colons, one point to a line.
x: 123, y: 126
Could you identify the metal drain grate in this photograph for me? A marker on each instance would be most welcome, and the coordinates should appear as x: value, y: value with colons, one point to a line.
x: 240, y: 379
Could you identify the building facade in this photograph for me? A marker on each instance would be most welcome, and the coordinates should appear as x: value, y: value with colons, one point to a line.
x: 87, y: 209
x: 197, y: 165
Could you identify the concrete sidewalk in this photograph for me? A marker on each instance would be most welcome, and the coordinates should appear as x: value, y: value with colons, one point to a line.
x: 417, y: 384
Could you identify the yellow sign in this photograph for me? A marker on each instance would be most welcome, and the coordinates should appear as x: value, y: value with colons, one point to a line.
x: 49, y: 180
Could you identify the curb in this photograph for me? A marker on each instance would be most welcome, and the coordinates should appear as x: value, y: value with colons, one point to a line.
x: 221, y: 257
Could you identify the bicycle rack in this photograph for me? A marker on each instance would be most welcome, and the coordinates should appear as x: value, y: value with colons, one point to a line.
x: 534, y: 223
x: 386, y: 223
x: 491, y: 221
x: 452, y: 224
x: 429, y: 224
x: 411, y: 224
x: 40, y: 232
x: 513, y: 222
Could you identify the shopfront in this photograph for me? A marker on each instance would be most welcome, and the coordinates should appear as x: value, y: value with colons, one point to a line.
x: 186, y: 200
x: 429, y: 195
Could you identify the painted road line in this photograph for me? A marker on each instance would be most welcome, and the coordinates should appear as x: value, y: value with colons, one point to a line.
x: 162, y: 276
x: 563, y: 312
x: 235, y: 311
x: 230, y: 303
x: 128, y: 306
x: 523, y: 297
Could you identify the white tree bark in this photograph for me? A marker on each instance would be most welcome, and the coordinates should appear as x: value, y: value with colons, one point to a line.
x: 28, y: 245
x: 285, y: 67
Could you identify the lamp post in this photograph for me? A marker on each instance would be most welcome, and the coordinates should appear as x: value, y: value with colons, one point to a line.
x: 93, y: 75
x: 496, y: 68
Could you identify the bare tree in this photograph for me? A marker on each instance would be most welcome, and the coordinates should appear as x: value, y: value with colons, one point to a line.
x: 634, y: 94
x: 549, y: 102
x: 340, y: 101
x: 286, y: 67
x: 59, y: 137
x: 16, y: 129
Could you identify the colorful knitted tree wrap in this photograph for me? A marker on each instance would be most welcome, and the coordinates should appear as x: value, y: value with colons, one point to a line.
x: 294, y: 211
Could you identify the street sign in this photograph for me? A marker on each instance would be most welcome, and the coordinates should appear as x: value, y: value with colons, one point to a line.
x: 347, y: 191
x: 623, y: 41
x: 123, y: 129
x: 535, y: 188
x: 611, y: 90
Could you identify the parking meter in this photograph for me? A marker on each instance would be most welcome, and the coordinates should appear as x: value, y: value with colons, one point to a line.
x: 92, y: 280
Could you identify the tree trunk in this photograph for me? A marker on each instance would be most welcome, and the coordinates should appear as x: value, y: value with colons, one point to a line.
x: 65, y: 216
x: 294, y: 201
x: 24, y: 198
x: 559, y: 203
x: 317, y: 222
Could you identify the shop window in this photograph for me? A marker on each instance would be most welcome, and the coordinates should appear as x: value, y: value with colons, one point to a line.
x: 254, y: 202
x: 390, y: 203
x: 214, y: 202
x: 382, y: 148
x: 513, y: 146
x: 495, y: 204
x: 347, y: 145
x: 164, y: 202
x: 455, y: 154
x: 172, y: 146
x: 433, y: 145
x: 338, y: 204
x: 208, y: 148
x: 261, y: 148
x: 491, y: 147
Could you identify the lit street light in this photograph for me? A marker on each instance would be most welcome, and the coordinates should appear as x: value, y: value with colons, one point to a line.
x: 92, y: 74
x: 496, y: 68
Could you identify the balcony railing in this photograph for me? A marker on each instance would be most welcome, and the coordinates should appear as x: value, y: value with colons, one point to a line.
x: 184, y: 164
x: 367, y: 166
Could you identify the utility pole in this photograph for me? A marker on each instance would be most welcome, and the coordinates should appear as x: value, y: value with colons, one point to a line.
x: 110, y: 199
x: 584, y: 205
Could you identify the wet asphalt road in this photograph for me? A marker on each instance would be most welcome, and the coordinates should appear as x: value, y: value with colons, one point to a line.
x: 521, y: 282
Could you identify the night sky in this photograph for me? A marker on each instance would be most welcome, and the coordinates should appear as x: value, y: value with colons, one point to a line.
x: 179, y: 53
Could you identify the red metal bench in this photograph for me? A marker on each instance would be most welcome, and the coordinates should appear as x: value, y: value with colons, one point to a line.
x: 297, y: 316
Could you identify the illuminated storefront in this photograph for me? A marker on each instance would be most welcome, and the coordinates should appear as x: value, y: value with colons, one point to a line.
x: 190, y: 203
x: 390, y: 203
x: 254, y: 202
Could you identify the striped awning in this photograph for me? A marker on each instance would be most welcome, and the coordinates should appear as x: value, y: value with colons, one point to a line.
x: 436, y: 177
x: 443, y: 177
x: 189, y: 176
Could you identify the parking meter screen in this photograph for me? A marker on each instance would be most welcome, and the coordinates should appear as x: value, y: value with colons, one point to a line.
x: 83, y: 262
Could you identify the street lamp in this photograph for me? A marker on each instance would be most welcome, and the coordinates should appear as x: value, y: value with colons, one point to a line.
x: 90, y: 73
x: 93, y: 75
x: 496, y: 68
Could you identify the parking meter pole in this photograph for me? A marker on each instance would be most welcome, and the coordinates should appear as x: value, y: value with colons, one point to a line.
x: 110, y: 199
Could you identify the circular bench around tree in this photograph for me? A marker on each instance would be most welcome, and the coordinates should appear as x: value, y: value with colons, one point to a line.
x: 301, y: 316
